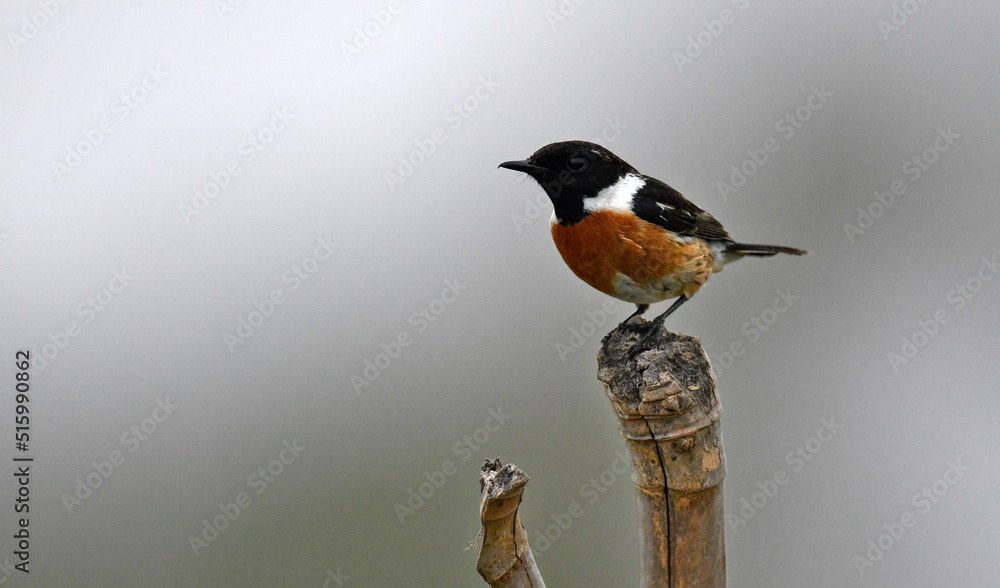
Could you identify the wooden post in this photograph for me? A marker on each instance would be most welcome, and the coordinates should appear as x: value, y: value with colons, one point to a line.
x: 505, y: 559
x: 668, y: 413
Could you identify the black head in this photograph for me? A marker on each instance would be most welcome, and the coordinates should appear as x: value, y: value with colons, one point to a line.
x: 571, y: 171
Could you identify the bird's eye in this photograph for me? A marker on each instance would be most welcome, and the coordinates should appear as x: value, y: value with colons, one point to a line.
x: 576, y: 164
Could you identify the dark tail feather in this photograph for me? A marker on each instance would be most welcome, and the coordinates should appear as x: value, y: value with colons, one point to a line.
x: 762, y: 250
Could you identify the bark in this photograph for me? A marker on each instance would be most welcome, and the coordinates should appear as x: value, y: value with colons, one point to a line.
x: 668, y: 413
x: 505, y: 559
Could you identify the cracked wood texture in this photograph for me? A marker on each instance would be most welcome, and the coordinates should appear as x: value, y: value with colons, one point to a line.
x: 505, y: 559
x: 668, y: 412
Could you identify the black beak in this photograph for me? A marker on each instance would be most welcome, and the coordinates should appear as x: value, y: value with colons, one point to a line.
x: 524, y: 166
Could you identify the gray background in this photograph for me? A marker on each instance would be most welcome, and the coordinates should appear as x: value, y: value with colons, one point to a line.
x: 604, y: 67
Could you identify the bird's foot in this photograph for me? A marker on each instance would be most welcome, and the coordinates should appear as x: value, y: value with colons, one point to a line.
x: 651, y: 327
x: 641, y: 308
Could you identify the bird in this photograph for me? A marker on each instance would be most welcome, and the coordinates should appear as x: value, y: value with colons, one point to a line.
x: 630, y: 235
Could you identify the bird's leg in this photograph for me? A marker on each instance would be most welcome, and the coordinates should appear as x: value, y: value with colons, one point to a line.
x: 654, y: 324
x: 638, y: 311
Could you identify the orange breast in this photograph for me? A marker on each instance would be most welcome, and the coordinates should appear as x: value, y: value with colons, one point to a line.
x: 631, y: 259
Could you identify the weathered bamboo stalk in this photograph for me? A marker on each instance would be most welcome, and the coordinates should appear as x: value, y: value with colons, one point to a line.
x: 668, y: 412
x: 505, y: 559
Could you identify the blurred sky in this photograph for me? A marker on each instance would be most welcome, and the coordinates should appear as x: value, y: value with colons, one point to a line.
x: 272, y: 280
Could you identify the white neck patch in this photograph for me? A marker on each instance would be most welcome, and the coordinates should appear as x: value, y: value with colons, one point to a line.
x: 617, y: 196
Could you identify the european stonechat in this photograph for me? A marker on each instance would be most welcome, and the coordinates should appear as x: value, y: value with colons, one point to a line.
x: 629, y: 235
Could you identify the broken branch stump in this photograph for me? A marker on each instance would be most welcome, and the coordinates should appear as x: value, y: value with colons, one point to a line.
x: 668, y: 413
x: 505, y: 559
